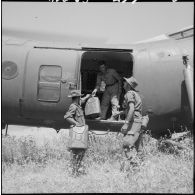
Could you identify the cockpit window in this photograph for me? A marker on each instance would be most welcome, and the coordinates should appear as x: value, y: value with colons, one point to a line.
x: 49, y: 85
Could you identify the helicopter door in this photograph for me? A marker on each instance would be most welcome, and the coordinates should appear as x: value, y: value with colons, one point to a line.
x: 50, y: 74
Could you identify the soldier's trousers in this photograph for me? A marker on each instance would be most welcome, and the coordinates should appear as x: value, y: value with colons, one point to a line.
x: 133, y: 138
x: 77, y: 157
x: 112, y: 95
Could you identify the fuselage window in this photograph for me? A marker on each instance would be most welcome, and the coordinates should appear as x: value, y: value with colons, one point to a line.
x: 49, y: 85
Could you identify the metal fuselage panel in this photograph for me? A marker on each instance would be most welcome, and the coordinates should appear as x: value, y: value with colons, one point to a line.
x: 158, y: 67
x: 12, y: 88
x: 51, y: 110
x: 159, y: 71
x: 20, y: 101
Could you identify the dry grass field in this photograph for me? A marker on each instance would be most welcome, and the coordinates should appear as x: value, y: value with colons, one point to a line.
x: 29, y: 167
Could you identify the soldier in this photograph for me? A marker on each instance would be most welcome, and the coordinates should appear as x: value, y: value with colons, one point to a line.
x: 75, y: 117
x: 133, y: 110
x: 111, y: 80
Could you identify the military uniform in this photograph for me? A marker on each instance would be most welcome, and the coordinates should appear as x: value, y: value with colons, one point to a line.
x: 132, y: 129
x: 75, y: 111
x: 132, y: 136
x: 112, y: 91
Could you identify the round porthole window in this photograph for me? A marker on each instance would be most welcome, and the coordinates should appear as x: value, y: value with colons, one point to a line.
x: 9, y: 70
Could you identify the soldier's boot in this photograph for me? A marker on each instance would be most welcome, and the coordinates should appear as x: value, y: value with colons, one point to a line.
x: 125, y: 164
x: 133, y: 159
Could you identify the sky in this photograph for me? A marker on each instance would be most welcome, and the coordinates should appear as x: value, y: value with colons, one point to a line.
x: 116, y: 22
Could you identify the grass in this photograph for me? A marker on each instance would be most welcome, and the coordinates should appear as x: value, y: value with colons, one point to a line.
x: 31, y: 168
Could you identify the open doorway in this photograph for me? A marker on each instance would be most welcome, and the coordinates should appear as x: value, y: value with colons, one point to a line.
x: 122, y: 62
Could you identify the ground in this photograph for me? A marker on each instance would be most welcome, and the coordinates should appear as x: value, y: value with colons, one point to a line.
x: 39, y: 162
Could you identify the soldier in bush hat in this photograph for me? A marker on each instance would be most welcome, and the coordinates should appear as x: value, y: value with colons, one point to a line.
x: 132, y: 82
x: 75, y: 114
x: 75, y: 117
x: 133, y: 112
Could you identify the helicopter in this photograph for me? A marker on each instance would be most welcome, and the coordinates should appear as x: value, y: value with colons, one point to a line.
x: 37, y: 78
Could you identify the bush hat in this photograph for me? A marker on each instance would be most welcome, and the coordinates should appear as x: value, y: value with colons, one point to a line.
x: 75, y: 93
x: 131, y: 81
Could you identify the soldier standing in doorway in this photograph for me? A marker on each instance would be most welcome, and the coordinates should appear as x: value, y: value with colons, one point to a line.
x: 111, y: 80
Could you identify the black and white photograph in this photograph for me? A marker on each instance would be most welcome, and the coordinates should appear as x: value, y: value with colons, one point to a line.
x: 97, y: 97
